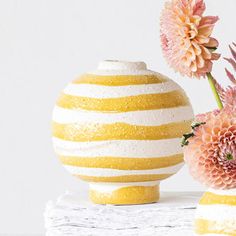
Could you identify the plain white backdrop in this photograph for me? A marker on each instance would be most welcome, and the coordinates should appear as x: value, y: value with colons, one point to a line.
x: 44, y: 44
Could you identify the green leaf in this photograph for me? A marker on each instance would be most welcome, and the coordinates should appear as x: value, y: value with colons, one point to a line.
x: 212, y: 49
x: 185, y: 138
x: 184, y: 141
x: 197, y: 124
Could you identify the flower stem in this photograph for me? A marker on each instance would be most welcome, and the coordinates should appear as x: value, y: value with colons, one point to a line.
x: 214, y: 90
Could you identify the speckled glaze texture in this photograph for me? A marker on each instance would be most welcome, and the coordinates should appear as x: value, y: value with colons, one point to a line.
x: 216, y: 213
x: 119, y: 128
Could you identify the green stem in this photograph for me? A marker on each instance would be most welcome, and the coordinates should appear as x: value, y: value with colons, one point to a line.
x: 214, y: 90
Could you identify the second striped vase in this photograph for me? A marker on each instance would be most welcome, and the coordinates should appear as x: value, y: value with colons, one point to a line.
x: 216, y: 213
x: 119, y: 128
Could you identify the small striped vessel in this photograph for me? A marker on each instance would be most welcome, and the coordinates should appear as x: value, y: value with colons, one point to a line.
x: 119, y: 128
x: 216, y: 213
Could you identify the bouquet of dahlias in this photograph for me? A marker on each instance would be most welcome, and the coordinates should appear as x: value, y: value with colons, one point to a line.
x: 210, y: 150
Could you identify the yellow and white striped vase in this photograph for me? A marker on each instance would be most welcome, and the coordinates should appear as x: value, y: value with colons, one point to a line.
x: 119, y: 128
x: 216, y: 213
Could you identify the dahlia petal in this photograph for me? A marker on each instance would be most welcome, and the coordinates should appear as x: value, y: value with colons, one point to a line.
x: 206, y: 30
x: 197, y: 49
x: 233, y: 51
x: 193, y: 66
x: 200, y: 62
x: 191, y: 54
x: 209, y: 20
x: 232, y: 62
x: 207, y: 68
x: 202, y: 40
x: 230, y: 76
x: 196, y: 19
x: 199, y: 7
x: 186, y: 61
x: 213, y: 43
x: 215, y: 56
x: 206, y: 53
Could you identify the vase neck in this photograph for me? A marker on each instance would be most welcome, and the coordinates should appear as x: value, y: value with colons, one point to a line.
x: 116, y: 65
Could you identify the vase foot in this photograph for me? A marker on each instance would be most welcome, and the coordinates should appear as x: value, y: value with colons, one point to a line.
x: 124, y: 193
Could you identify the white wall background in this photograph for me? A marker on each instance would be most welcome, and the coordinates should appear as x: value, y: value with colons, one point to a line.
x: 43, y: 45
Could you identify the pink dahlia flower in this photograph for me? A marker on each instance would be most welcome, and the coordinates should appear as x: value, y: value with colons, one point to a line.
x: 211, y: 152
x: 186, y: 37
x: 228, y: 95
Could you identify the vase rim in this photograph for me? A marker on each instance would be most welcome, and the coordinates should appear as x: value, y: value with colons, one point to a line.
x: 122, y: 65
x: 230, y: 192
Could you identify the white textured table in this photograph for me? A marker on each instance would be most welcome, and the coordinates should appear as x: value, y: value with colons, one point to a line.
x: 72, y: 215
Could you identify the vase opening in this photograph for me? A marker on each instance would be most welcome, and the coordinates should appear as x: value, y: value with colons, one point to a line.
x: 121, y: 65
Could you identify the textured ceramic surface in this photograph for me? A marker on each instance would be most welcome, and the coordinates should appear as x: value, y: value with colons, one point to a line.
x: 120, y: 128
x: 216, y: 213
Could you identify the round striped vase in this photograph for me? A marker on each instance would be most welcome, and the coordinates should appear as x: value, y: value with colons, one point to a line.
x: 216, y: 213
x: 120, y: 128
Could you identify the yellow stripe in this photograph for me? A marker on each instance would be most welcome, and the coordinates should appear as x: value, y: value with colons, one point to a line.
x: 212, y: 227
x: 125, y: 104
x: 211, y: 198
x: 119, y: 131
x: 127, y: 195
x: 123, y: 163
x: 124, y: 178
x: 119, y: 80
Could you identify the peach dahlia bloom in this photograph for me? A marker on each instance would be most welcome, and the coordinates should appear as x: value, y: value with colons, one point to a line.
x: 211, y: 152
x: 186, y: 37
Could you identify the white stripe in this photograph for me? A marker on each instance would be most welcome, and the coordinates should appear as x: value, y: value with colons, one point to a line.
x: 126, y: 72
x: 100, y: 91
x: 105, y: 172
x: 110, y: 187
x: 212, y: 234
x: 216, y: 212
x: 226, y: 192
x: 119, y: 148
x: 144, y: 118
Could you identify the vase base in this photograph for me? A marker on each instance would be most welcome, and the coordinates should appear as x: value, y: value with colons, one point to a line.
x: 124, y: 193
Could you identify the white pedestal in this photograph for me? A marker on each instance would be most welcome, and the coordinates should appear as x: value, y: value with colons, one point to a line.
x: 72, y: 215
